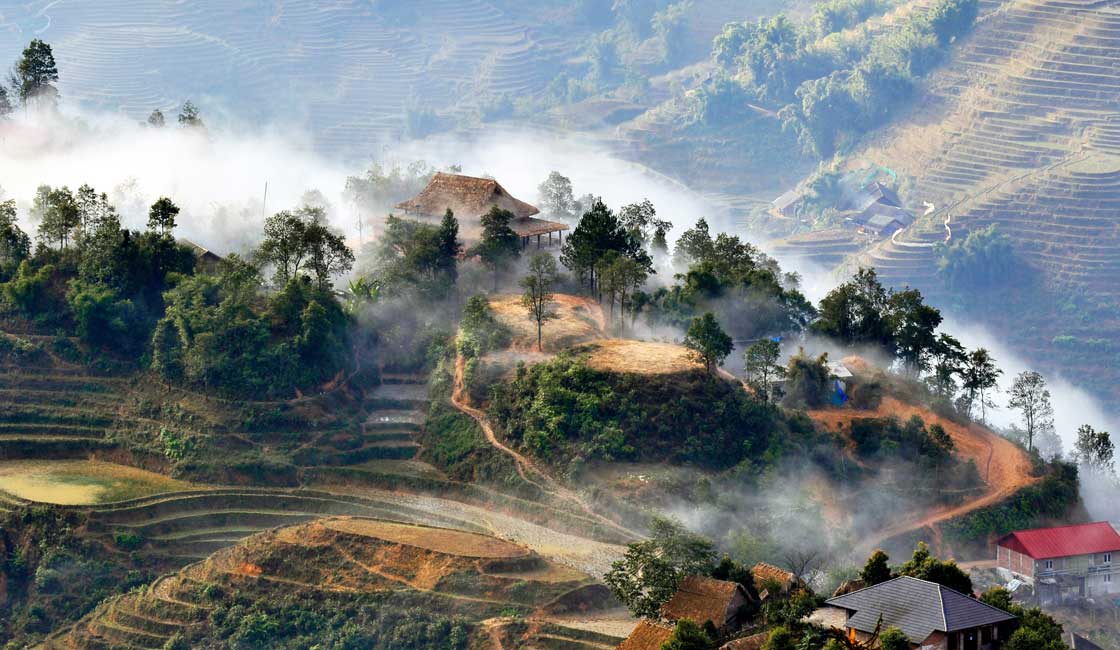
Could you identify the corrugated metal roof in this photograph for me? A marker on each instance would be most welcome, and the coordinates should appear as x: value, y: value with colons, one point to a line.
x: 917, y: 607
x: 1064, y: 541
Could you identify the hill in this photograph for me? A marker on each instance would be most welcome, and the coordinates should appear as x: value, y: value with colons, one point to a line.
x: 359, y: 75
x: 1018, y: 130
x: 336, y: 578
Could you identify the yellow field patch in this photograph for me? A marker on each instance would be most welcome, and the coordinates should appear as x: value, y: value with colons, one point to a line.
x: 578, y: 320
x: 641, y: 357
x: 440, y: 540
x: 81, y: 482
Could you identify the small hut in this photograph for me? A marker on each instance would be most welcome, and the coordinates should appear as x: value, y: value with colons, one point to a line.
x: 702, y: 599
x: 205, y: 259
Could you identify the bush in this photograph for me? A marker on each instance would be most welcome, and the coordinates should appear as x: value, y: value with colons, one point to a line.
x: 128, y: 540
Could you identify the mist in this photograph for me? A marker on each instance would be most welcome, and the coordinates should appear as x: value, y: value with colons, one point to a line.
x: 218, y: 177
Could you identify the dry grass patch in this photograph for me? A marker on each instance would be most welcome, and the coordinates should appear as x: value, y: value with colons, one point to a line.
x: 578, y: 320
x: 82, y: 482
x: 641, y: 357
x: 439, y: 540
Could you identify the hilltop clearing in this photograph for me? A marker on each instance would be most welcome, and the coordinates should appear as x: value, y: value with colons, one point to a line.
x: 401, y: 584
x: 577, y: 319
x: 626, y: 356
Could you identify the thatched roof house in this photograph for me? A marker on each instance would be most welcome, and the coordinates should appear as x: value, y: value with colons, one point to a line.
x: 768, y: 573
x: 470, y: 197
x: 701, y: 599
x: 647, y: 636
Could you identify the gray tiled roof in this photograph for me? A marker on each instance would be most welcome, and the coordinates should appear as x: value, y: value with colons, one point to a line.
x: 917, y: 607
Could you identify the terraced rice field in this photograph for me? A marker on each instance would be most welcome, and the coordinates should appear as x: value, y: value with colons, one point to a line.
x: 81, y: 482
x: 469, y: 575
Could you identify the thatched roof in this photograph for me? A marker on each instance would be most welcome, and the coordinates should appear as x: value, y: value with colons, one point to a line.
x: 531, y: 226
x: 764, y: 573
x: 467, y: 196
x: 701, y: 599
x: 753, y: 642
x: 647, y: 636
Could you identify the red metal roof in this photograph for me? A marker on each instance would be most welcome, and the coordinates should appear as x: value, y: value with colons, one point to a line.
x: 1063, y: 541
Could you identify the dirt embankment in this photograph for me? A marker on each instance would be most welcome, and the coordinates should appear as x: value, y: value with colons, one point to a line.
x: 1004, y: 467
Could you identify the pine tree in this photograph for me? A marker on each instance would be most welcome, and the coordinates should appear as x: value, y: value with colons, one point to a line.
x: 449, y: 247
x: 35, y: 73
x: 161, y: 216
x: 499, y: 245
x: 157, y: 119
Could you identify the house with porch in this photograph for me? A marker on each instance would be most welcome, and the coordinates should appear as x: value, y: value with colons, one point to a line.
x: 932, y: 616
x: 470, y: 197
x: 1065, y: 563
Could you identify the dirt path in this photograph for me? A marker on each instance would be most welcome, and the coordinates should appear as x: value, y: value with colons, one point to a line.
x: 526, y: 469
x: 1004, y: 467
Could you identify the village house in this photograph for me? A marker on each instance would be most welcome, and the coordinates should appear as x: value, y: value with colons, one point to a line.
x: 648, y: 635
x: 877, y: 210
x: 470, y: 197
x: 205, y: 259
x: 932, y: 616
x: 1066, y: 563
x: 768, y: 577
x: 700, y: 600
x: 786, y: 205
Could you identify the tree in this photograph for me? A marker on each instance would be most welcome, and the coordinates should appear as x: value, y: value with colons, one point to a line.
x: 598, y: 233
x: 640, y: 220
x: 761, y: 368
x: 59, y: 216
x: 620, y: 278
x: 189, y: 116
x: 650, y: 571
x: 556, y: 196
x: 925, y: 566
x: 285, y: 243
x: 35, y: 73
x: 708, y: 342
x: 806, y: 380
x: 694, y: 244
x: 980, y: 375
x: 167, y: 352
x: 1030, y: 395
x: 5, y: 103
x: 15, y: 245
x: 327, y: 254
x: 538, y: 290
x: 856, y: 312
x: 913, y: 325
x: 161, y: 216
x: 499, y: 245
x: 893, y: 638
x: 1094, y: 449
x: 449, y: 247
x: 687, y: 635
x: 876, y: 570
x: 157, y: 119
x: 949, y: 357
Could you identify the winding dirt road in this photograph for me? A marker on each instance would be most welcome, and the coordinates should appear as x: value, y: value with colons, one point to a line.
x: 526, y: 469
x: 1004, y: 467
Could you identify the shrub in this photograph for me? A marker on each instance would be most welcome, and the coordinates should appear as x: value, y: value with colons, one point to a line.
x: 128, y: 540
